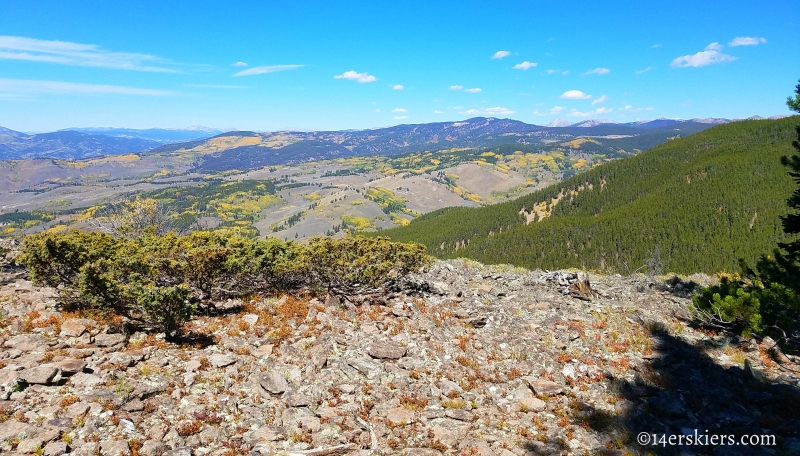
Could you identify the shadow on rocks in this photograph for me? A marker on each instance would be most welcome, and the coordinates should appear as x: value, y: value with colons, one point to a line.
x: 681, y: 391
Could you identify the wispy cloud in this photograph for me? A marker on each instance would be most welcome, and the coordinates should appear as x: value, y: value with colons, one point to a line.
x: 496, y: 111
x: 398, y: 87
x: 240, y: 64
x: 438, y: 112
x: 266, y: 69
x: 401, y: 117
x: 630, y: 108
x: 644, y: 70
x: 473, y: 90
x: 35, y: 87
x: 399, y: 110
x: 563, y: 73
x: 575, y: 95
x: 576, y: 113
x: 524, y: 65
x: 355, y: 76
x: 600, y: 99
x: 712, y: 54
x: 216, y: 86
x: 656, y: 46
x: 456, y: 87
x: 747, y: 41
x: 500, y: 54
x: 556, y: 109
x: 77, y: 54
x: 598, y: 71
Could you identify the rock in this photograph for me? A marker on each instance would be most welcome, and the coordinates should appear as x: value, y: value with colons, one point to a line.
x: 666, y: 403
x: 269, y: 433
x: 152, y: 448
x: 274, y: 382
x: 366, y: 367
x: 450, y: 388
x: 109, y: 340
x: 400, y: 416
x: 192, y: 366
x: 113, y: 447
x: 461, y: 415
x: 122, y: 360
x: 71, y: 366
x: 13, y: 428
x: 420, y: 452
x: 448, y: 431
x: 386, y: 350
x: 84, y: 380
x: 30, y: 445
x: 250, y: 319
x: 76, y: 410
x: 73, y: 327
x: 532, y: 404
x: 543, y: 386
x: 28, y: 343
x: 220, y: 361
x: 262, y: 351
x: 58, y: 448
x: 569, y: 371
x: 179, y: 452
x: 295, y: 399
x: 41, y: 375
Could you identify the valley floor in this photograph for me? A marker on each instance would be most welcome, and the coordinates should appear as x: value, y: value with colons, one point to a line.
x: 487, y: 360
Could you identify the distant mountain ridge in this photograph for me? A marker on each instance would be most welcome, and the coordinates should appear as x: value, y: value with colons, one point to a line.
x: 269, y: 148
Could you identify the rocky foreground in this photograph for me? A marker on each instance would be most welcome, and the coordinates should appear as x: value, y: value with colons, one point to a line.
x: 475, y: 361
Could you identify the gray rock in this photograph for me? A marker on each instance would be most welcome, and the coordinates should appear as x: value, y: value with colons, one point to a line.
x: 543, y: 386
x: 71, y: 366
x: 366, y: 367
x: 569, y: 371
x: 450, y: 387
x: 269, y: 433
x: 460, y: 415
x: 84, y: 380
x: 251, y: 319
x: 41, y: 375
x: 28, y: 343
x: 295, y: 399
x: 219, y: 360
x: 152, y: 448
x: 113, y: 447
x: 400, y: 416
x: 121, y: 359
x: 77, y: 409
x: 30, y: 445
x: 73, y: 327
x: 274, y: 382
x: 12, y: 428
x: 179, y: 452
x: 386, y: 350
x: 109, y: 340
x: 57, y: 448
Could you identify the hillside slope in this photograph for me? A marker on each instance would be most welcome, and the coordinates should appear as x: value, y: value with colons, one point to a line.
x: 699, y: 203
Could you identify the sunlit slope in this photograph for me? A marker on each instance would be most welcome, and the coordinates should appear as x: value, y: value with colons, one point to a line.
x: 703, y: 202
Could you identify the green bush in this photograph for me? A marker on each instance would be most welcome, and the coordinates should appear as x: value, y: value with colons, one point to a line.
x: 152, y: 278
x: 748, y: 307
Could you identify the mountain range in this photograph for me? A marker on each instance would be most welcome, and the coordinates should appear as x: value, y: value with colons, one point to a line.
x: 245, y: 149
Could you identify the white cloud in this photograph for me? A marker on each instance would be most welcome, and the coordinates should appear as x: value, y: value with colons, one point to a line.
x: 747, y: 41
x: 712, y: 54
x: 359, y: 77
x: 556, y: 109
x: 240, y: 64
x: 632, y: 109
x: 34, y: 87
x: 524, y: 65
x: 475, y: 90
x: 438, y: 112
x: 598, y: 71
x: 496, y: 111
x: 564, y: 73
x: 398, y: 87
x: 645, y: 70
x: 575, y: 95
x: 500, y: 54
x: 77, y: 54
x: 600, y: 100
x: 656, y: 46
x: 401, y: 117
x: 576, y: 113
x: 266, y: 69
x: 399, y: 110
x: 456, y: 87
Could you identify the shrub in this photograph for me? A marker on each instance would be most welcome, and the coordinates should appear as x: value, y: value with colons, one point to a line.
x: 353, y: 263
x: 151, y: 278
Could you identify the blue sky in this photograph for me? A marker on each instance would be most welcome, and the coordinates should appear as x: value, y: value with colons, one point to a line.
x: 352, y: 65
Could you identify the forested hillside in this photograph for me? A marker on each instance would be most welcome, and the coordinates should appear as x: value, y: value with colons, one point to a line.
x: 698, y: 203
